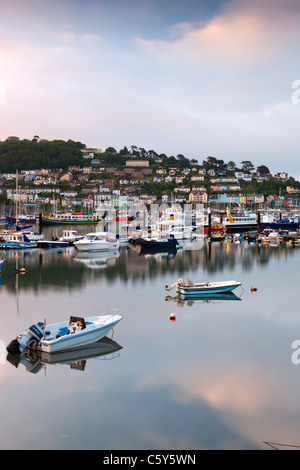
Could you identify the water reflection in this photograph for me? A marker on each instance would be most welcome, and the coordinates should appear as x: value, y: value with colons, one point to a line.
x: 182, y: 300
x: 100, y: 260
x: 43, y: 269
x: 34, y: 361
x: 204, y: 381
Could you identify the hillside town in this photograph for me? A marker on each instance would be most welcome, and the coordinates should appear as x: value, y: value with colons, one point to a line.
x: 149, y: 178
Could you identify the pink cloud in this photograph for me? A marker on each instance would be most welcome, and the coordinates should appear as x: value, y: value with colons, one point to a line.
x: 243, y: 32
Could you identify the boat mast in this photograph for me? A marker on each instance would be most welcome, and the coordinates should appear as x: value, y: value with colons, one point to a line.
x: 17, y: 196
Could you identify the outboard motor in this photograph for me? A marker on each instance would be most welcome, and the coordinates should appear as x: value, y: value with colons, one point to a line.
x: 31, y: 337
x: 13, y: 347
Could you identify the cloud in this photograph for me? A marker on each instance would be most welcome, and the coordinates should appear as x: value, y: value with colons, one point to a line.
x: 221, y: 86
x: 243, y: 33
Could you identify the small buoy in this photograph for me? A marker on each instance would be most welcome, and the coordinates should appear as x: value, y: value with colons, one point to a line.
x: 172, y: 317
x: 22, y: 270
x: 253, y: 289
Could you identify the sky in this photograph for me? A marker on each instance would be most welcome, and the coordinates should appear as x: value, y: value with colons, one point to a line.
x: 198, y: 78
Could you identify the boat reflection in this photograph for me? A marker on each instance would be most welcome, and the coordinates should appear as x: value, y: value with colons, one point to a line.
x: 163, y: 252
x: 100, y: 260
x: 182, y: 300
x: 76, y: 358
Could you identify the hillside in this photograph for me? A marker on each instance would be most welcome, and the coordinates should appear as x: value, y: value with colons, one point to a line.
x: 16, y: 154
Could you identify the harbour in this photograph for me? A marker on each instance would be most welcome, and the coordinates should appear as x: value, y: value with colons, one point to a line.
x: 215, y: 372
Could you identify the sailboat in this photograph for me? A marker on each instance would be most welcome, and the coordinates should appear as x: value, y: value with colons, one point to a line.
x: 20, y: 220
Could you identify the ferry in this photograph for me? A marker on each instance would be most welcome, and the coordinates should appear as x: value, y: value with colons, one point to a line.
x: 68, y: 218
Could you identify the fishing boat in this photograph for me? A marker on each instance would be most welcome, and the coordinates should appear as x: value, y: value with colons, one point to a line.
x: 66, y: 335
x: 217, y: 231
x: 202, y: 288
x: 98, y: 241
x: 70, y: 236
x: 17, y: 240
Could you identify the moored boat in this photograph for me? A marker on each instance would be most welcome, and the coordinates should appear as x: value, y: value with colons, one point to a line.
x: 241, y: 221
x: 70, y: 218
x: 190, y: 288
x: 66, y: 335
x: 52, y: 244
x: 158, y: 243
x: 70, y: 236
x: 21, y: 220
x: 17, y: 240
x: 98, y: 241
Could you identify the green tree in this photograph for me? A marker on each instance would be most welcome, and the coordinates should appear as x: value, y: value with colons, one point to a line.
x: 263, y: 170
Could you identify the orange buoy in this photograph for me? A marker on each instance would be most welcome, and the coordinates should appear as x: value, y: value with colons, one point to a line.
x: 253, y: 289
x: 172, y: 317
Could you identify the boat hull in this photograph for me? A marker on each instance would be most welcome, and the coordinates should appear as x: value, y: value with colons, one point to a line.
x: 280, y: 226
x: 206, y: 289
x: 51, y: 244
x: 160, y: 244
x: 109, y: 246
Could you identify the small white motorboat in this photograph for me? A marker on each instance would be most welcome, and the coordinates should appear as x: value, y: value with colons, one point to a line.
x: 66, y: 335
x: 98, y: 241
x: 203, y: 288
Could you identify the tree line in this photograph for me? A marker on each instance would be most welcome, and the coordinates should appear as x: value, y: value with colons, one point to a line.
x: 16, y: 154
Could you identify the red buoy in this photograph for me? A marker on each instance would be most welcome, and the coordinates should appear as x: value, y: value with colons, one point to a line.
x: 172, y: 317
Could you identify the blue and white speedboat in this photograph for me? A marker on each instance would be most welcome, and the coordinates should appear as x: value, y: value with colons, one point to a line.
x: 202, y: 288
x: 66, y: 335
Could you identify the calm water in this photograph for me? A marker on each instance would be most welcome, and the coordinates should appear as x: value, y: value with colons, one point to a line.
x: 220, y: 377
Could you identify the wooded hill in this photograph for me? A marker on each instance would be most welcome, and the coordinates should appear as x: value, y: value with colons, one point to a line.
x: 16, y: 154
